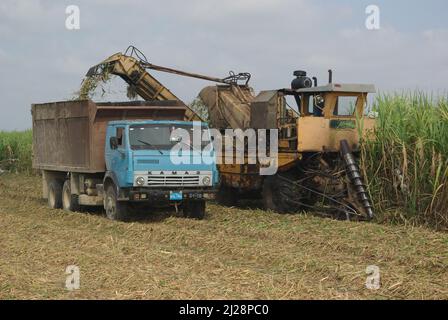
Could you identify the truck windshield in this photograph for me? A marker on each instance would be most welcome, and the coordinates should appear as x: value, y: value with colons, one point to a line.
x: 158, y: 136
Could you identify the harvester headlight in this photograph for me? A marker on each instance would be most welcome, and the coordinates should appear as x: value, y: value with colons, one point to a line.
x: 206, y: 181
x: 140, y: 181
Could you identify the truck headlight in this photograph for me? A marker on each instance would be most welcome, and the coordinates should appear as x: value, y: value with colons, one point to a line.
x: 140, y: 181
x: 206, y: 181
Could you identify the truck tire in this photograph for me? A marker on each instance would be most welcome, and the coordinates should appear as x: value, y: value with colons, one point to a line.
x: 70, y: 201
x: 55, y: 194
x: 194, y: 209
x: 115, y: 210
x: 226, y: 196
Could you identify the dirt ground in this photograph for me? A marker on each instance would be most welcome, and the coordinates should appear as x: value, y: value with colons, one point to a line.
x: 232, y: 254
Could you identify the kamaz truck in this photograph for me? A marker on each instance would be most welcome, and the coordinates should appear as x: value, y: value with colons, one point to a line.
x: 119, y: 155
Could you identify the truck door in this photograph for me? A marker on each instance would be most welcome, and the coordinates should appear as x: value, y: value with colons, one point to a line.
x: 119, y: 156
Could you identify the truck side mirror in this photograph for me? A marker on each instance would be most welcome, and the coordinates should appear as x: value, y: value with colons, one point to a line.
x: 113, y: 142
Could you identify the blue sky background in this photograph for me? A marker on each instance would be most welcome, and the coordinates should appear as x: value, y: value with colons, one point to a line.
x: 40, y: 60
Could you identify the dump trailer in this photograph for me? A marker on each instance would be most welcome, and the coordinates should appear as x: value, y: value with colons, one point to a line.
x: 117, y: 155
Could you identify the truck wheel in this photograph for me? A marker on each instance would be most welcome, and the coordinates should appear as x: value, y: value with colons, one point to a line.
x: 226, y: 196
x: 194, y: 209
x: 115, y: 210
x: 70, y: 201
x: 55, y: 194
x: 271, y: 196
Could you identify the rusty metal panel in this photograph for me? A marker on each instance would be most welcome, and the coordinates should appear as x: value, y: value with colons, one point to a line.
x: 243, y: 177
x: 60, y: 134
x: 73, y: 141
x: 263, y: 110
x: 228, y: 106
x: 70, y: 135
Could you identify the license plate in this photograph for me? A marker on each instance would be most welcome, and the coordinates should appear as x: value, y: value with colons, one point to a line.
x: 176, y: 195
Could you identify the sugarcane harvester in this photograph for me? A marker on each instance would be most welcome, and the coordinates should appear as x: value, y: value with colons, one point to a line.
x: 318, y: 142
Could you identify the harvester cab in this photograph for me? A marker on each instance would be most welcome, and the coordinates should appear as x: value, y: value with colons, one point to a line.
x: 330, y: 113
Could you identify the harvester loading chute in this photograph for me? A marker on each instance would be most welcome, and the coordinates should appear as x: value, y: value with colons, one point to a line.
x: 139, y: 80
x: 132, y: 65
x: 131, y: 71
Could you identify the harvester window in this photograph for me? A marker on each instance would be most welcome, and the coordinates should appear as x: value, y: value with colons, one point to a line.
x: 310, y: 104
x: 345, y: 105
x: 316, y: 105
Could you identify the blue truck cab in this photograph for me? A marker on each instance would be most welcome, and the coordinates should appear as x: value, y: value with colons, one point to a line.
x: 158, y: 163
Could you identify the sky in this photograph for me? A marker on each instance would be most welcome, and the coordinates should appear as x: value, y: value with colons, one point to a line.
x: 42, y: 61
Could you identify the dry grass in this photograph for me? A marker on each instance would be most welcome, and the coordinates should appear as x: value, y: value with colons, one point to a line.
x: 233, y: 254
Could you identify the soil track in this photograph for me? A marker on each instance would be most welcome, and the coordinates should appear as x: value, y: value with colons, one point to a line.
x: 233, y: 253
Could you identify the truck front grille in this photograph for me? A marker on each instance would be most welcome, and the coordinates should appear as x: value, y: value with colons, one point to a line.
x: 173, y: 181
x: 168, y: 178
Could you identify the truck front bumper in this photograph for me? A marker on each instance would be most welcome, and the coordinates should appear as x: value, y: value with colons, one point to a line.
x: 162, y: 195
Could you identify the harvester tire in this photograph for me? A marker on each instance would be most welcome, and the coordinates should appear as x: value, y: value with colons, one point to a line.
x: 226, y: 196
x: 272, y: 198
